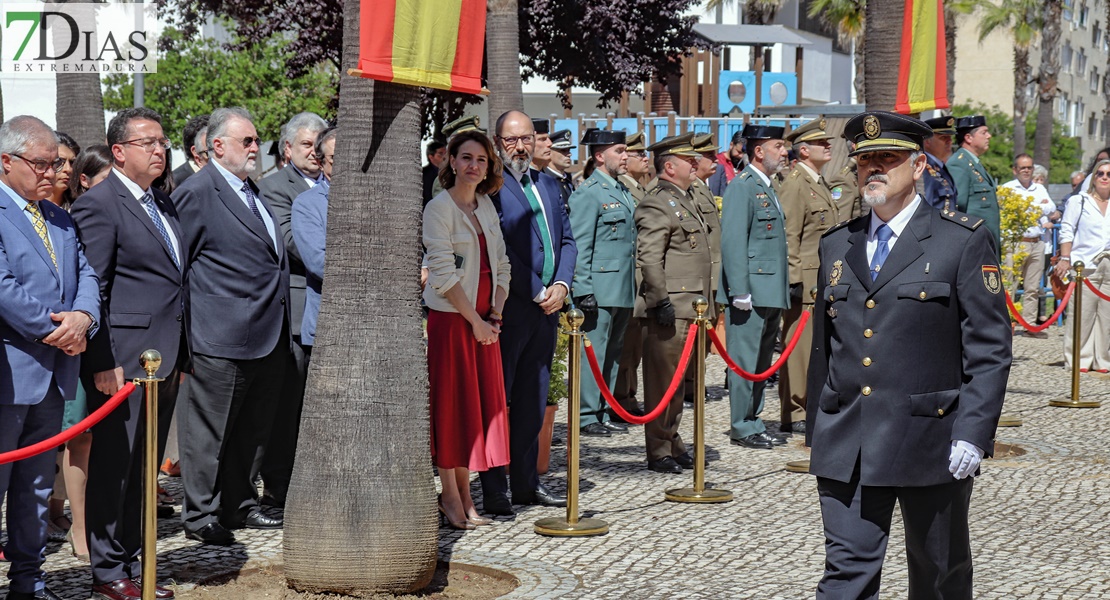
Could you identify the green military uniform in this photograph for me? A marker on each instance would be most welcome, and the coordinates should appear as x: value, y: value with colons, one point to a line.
x: 810, y: 211
x: 625, y: 390
x: 457, y: 126
x: 975, y: 190
x: 601, y: 218
x: 673, y: 254
x: 753, y: 268
x: 844, y: 190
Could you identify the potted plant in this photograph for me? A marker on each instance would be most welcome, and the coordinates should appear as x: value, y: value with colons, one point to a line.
x: 558, y: 390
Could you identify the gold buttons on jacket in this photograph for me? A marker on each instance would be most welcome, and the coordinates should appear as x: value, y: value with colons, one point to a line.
x: 867, y: 361
x: 870, y: 304
x: 940, y: 412
x: 921, y: 295
x: 866, y: 390
x: 868, y: 333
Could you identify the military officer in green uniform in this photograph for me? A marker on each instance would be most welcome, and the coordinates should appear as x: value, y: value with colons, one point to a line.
x: 604, y: 275
x: 625, y: 390
x: 975, y: 188
x: 754, y: 279
x: 672, y: 252
x: 810, y: 211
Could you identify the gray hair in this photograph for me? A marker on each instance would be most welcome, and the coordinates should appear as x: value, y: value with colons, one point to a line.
x: 1075, y: 174
x: 17, y: 133
x: 219, y: 121
x: 1040, y: 171
x: 201, y: 133
x: 306, y: 120
x: 322, y: 139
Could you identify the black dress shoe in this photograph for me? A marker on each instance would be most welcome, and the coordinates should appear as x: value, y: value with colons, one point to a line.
x: 774, y: 439
x: 798, y: 426
x: 212, y: 533
x: 686, y: 460
x: 258, y: 520
x: 596, y: 430
x: 165, y: 511
x: 120, y: 589
x: 615, y: 427
x: 664, y: 465
x: 498, y: 506
x: 43, y: 594
x: 159, y: 591
x: 542, y: 497
x: 754, y: 440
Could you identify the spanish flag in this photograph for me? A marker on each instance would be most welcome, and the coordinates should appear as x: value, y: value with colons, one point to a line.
x: 923, y: 72
x: 430, y: 44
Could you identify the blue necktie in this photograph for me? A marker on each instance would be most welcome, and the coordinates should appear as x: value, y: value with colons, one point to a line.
x: 883, y: 233
x: 252, y: 201
x: 148, y: 203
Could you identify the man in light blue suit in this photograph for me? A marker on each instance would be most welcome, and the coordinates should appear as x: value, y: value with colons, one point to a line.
x: 309, y: 225
x: 50, y: 295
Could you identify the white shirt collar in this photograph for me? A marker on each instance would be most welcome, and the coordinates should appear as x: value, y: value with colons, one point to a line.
x: 762, y: 175
x: 898, y: 223
x: 136, y: 191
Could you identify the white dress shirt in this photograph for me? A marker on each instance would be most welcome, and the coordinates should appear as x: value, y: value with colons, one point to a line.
x: 897, y: 226
x: 1093, y: 234
x: 137, y: 193
x: 1040, y: 201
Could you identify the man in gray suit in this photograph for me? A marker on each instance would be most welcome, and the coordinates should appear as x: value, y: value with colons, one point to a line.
x: 298, y: 142
x: 238, y: 317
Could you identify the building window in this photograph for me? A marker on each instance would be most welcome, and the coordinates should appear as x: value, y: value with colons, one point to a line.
x: 1068, y: 11
x: 1063, y: 105
x: 1096, y: 36
x: 1094, y: 79
x: 1092, y: 126
x: 1081, y: 62
x: 1083, y: 16
x: 1065, y: 58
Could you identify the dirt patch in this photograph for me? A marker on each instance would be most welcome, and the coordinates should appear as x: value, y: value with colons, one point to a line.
x: 452, y: 581
x: 1004, y: 450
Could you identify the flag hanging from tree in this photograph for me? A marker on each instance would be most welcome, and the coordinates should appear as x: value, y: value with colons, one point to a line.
x: 430, y: 44
x: 923, y: 69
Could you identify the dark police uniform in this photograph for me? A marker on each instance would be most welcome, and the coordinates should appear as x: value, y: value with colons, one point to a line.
x: 560, y: 140
x: 889, y: 400
x: 937, y: 185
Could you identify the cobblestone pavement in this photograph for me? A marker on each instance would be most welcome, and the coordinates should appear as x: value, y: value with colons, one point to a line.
x: 1040, y: 521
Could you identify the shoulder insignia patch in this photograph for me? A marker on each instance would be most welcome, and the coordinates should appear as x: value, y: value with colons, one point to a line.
x: 794, y: 174
x: 991, y: 279
x: 962, y: 219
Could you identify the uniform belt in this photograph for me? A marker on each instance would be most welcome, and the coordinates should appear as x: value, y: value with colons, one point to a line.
x: 1031, y: 239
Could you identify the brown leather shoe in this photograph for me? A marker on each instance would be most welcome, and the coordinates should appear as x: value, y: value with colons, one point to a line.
x: 159, y: 591
x: 120, y: 589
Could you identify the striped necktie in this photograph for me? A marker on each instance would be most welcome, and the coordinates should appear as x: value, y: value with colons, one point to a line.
x: 148, y: 203
x: 40, y: 228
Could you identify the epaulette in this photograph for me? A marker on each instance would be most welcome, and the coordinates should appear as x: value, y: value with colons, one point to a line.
x: 794, y: 174
x: 839, y: 225
x: 745, y: 175
x: 962, y: 219
x: 847, y: 169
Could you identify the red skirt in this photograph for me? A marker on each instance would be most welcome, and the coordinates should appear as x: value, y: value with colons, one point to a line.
x: 469, y: 418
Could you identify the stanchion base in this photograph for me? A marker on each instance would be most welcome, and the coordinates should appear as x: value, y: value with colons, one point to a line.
x: 797, y: 466
x: 1009, y: 421
x: 557, y: 527
x: 706, y: 496
x: 1079, y: 404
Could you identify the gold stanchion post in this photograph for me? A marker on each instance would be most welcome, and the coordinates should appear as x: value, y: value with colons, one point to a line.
x: 699, y: 493
x: 150, y: 361
x: 1076, y: 317
x: 573, y: 526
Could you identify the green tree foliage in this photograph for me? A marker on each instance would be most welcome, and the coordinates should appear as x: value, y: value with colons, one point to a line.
x: 203, y: 75
x: 1066, y: 154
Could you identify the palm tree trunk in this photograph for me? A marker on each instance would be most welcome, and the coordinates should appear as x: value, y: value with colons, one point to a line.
x: 1022, y: 71
x: 883, y: 33
x: 503, y: 58
x: 1047, y: 80
x: 860, y: 79
x: 361, y: 512
x: 80, y: 106
x: 950, y: 50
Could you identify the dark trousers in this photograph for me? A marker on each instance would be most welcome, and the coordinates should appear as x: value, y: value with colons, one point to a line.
x: 225, y: 417
x: 275, y: 462
x: 28, y: 484
x: 527, y: 347
x: 857, y: 526
x: 114, y: 509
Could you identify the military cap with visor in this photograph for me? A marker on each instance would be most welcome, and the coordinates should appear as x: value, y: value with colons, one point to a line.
x: 560, y: 140
x: 880, y: 130
x: 762, y: 132
x: 942, y: 125
x: 541, y: 125
x: 602, y: 137
x: 968, y: 124
x: 635, y: 142
x: 676, y: 145
x: 810, y: 132
x: 703, y: 144
x: 460, y: 125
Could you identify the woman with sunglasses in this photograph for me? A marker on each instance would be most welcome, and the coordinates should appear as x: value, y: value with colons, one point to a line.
x: 1085, y: 237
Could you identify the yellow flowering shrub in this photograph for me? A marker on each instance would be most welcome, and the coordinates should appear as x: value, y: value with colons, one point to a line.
x: 1016, y: 214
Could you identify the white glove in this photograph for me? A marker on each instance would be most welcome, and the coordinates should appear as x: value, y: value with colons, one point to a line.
x: 964, y: 459
x: 742, y: 302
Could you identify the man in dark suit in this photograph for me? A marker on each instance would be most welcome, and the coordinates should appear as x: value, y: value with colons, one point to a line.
x: 902, y: 417
x: 436, y: 154
x: 193, y: 140
x: 541, y: 253
x: 279, y: 190
x: 133, y: 239
x: 238, y: 316
x: 50, y: 300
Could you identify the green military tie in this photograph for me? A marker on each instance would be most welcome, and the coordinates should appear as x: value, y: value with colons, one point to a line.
x: 545, y: 233
x: 40, y: 228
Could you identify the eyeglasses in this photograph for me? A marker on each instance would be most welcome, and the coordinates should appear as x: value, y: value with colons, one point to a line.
x: 149, y: 144
x: 636, y: 154
x: 247, y: 141
x: 1025, y: 168
x: 509, y: 142
x: 203, y: 153
x: 40, y: 167
x: 1103, y: 174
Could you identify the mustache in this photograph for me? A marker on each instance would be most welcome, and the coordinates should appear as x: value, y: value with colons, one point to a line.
x: 878, y: 177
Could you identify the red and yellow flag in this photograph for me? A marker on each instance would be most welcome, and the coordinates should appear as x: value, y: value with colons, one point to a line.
x: 431, y: 44
x: 923, y: 72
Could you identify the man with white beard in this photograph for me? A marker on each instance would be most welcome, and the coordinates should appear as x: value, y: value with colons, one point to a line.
x: 754, y: 281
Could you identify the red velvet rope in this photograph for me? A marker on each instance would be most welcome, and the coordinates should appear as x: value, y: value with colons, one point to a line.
x: 1051, y: 320
x: 1091, y: 287
x: 67, y: 435
x: 679, y: 375
x: 775, y: 367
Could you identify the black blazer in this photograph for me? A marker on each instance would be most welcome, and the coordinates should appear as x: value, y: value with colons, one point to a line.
x: 238, y: 283
x: 280, y: 190
x: 180, y: 174
x: 142, y: 294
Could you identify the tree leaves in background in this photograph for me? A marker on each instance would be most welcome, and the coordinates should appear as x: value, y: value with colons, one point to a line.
x: 202, y: 75
x: 611, y: 46
x: 1066, y: 155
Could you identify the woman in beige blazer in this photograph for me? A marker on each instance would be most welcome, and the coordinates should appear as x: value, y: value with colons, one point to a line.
x: 468, y: 281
